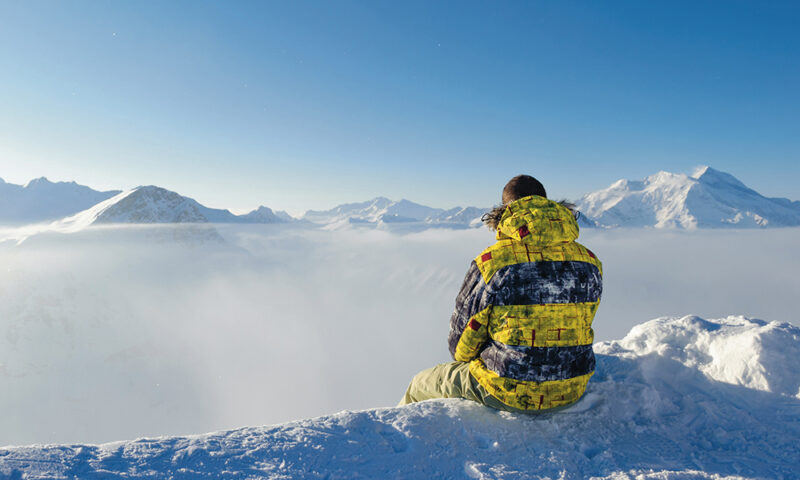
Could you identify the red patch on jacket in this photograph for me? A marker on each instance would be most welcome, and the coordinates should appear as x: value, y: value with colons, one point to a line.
x: 590, y: 253
x: 523, y: 232
x: 486, y: 257
x: 473, y: 324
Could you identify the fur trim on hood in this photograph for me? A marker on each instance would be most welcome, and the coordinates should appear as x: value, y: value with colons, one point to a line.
x: 492, y: 217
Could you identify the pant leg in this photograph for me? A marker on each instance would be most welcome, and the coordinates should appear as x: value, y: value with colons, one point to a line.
x: 448, y: 380
x: 453, y: 380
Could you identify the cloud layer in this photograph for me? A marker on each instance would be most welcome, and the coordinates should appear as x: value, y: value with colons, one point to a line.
x: 112, y: 334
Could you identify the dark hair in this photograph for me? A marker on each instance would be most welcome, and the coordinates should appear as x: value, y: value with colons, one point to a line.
x: 522, y: 186
x: 492, y: 217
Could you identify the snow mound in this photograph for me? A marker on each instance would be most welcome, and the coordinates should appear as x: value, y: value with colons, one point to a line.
x: 677, y: 398
x: 735, y: 350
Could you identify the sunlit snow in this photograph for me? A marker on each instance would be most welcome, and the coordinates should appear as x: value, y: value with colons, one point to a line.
x: 656, y: 408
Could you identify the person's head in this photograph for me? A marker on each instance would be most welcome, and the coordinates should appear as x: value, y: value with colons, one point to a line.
x: 519, y: 187
x: 522, y: 186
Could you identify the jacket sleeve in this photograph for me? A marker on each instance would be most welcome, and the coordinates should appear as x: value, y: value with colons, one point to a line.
x: 469, y: 324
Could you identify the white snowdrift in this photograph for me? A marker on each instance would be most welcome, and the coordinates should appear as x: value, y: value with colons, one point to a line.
x: 676, y: 398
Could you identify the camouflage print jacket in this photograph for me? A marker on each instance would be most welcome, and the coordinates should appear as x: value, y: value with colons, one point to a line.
x: 524, y: 314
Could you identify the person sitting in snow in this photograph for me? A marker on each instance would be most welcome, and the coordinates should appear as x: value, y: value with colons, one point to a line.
x: 521, y: 333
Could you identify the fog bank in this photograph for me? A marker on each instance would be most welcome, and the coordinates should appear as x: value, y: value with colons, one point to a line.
x: 120, y: 333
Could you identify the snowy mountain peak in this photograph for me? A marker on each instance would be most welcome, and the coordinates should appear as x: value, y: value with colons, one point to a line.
x: 44, y: 182
x: 707, y: 198
x: 620, y: 184
x: 700, y: 171
x: 262, y: 209
x: 144, y: 204
x: 38, y: 182
x: 152, y: 204
x: 264, y: 214
x: 663, y: 176
x: 710, y: 176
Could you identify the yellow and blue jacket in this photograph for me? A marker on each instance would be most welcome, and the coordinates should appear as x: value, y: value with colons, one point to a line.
x: 523, y: 316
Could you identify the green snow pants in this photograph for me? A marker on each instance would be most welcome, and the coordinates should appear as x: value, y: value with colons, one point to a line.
x: 453, y: 380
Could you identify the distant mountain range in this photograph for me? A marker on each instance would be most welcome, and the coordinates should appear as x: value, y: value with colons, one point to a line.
x: 381, y: 211
x: 71, y: 204
x: 706, y: 199
x: 41, y: 200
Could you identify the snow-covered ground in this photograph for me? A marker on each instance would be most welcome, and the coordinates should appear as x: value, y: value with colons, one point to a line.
x: 677, y: 398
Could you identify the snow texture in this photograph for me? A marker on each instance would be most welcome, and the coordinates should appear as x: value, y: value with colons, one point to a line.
x: 677, y: 398
x: 706, y: 199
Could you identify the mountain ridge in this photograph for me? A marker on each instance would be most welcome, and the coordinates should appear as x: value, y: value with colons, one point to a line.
x: 708, y: 198
x: 381, y: 211
x: 41, y: 200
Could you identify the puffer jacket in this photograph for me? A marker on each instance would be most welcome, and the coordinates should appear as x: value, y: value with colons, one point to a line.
x: 523, y: 316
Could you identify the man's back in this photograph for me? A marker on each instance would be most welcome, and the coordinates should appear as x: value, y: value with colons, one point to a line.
x: 521, y: 333
x: 524, y: 314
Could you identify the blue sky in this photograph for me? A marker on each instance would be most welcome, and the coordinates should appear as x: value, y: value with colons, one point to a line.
x: 298, y: 105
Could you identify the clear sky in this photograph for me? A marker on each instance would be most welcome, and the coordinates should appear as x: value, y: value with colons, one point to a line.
x: 298, y: 105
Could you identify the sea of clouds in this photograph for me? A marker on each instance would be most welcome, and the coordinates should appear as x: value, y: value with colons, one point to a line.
x: 122, y: 332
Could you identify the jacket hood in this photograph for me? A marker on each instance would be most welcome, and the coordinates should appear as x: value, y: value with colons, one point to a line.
x: 537, y: 221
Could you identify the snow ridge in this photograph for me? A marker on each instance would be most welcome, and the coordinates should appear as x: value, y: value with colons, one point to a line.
x: 677, y: 398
